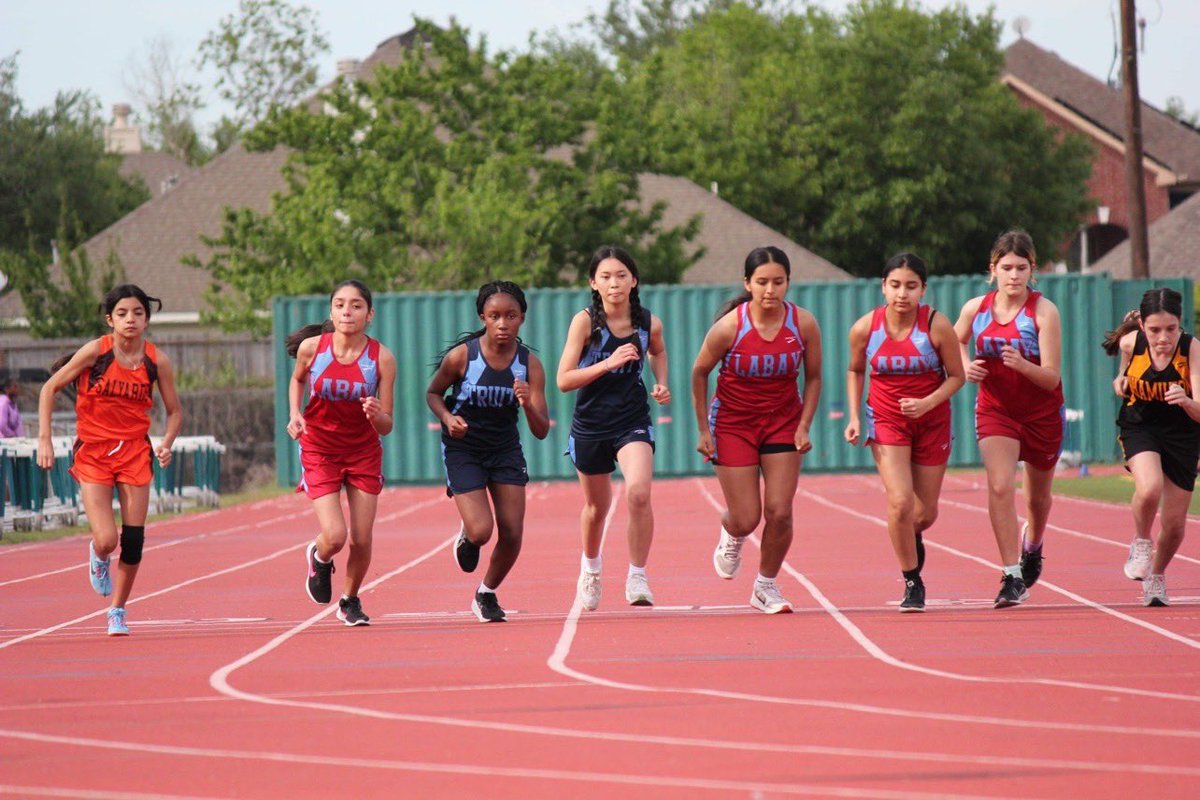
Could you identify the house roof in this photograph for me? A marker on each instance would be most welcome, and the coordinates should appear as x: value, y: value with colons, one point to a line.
x: 1174, y: 242
x: 726, y: 233
x: 160, y: 172
x: 1164, y: 138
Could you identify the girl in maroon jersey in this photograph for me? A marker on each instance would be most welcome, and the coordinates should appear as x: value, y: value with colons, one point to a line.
x: 1019, y: 410
x: 915, y: 368
x: 758, y: 422
x: 349, y: 379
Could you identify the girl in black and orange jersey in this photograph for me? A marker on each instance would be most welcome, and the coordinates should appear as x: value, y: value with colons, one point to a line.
x: 1159, y: 425
x: 114, y: 377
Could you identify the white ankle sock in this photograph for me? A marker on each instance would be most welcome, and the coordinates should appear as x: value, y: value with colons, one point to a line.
x: 636, y: 571
x: 592, y: 564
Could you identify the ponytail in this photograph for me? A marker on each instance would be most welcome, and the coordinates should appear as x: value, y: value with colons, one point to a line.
x: 296, y: 338
x: 1154, y: 301
x: 1112, y: 339
x: 755, y: 259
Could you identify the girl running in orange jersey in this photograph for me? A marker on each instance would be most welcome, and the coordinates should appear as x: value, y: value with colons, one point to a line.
x: 1159, y: 382
x: 348, y: 379
x: 114, y: 377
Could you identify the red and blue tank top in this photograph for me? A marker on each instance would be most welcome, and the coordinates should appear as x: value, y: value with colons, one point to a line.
x: 758, y: 375
x: 1004, y: 389
x: 908, y: 367
x: 334, y: 420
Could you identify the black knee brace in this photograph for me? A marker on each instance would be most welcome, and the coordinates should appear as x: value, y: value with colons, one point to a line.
x: 132, y: 538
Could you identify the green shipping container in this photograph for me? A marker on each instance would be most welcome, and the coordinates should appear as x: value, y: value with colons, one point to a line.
x: 416, y: 326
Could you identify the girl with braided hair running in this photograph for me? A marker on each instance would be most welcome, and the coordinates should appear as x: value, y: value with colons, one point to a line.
x: 491, y: 375
x: 607, y: 347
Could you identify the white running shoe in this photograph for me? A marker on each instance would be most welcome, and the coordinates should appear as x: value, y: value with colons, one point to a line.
x: 589, y: 589
x: 637, y: 590
x: 727, y: 558
x: 1137, y: 566
x: 767, y: 598
x: 1154, y: 591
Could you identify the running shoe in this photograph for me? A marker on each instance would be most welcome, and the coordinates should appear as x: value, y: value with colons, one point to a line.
x: 1031, y: 560
x: 116, y: 622
x: 1137, y: 566
x: 98, y: 573
x: 350, y: 612
x: 319, y: 583
x: 727, y: 558
x: 914, y: 597
x: 1154, y: 591
x: 487, y: 607
x: 767, y: 598
x: 589, y: 589
x: 637, y: 590
x: 1012, y: 592
x: 920, y: 552
x: 466, y: 554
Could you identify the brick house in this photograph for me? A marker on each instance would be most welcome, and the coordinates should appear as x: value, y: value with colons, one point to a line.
x: 1072, y: 100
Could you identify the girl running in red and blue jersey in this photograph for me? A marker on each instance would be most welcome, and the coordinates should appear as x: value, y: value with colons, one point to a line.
x: 114, y: 380
x: 348, y: 379
x: 1159, y: 423
x: 758, y: 421
x: 607, y: 347
x: 490, y: 375
x: 916, y: 367
x: 1019, y: 410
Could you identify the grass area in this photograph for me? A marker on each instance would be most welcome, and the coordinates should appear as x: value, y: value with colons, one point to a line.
x: 249, y: 496
x: 1111, y: 488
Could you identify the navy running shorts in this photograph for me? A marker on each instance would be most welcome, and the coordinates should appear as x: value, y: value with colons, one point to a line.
x: 599, y: 456
x: 470, y: 470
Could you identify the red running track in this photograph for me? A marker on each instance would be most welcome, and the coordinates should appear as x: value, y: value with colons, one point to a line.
x: 233, y: 684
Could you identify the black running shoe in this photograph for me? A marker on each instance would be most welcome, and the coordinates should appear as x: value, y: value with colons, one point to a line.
x: 920, y: 552
x: 319, y: 583
x: 350, y: 612
x: 466, y: 554
x: 1012, y: 592
x: 487, y: 607
x: 914, y: 597
x: 1031, y: 566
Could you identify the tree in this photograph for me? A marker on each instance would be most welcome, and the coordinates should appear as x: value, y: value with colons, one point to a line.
x: 265, y: 58
x: 60, y: 299
x: 166, y: 101
x: 1176, y: 108
x: 860, y: 135
x: 54, y: 157
x: 453, y: 168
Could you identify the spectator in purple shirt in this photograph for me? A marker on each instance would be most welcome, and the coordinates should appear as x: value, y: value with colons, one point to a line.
x: 10, y: 415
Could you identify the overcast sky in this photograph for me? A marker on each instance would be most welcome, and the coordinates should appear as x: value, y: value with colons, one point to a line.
x: 87, y: 44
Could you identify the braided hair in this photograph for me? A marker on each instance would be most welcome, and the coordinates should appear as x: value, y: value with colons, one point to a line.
x: 638, y: 316
x: 485, y: 292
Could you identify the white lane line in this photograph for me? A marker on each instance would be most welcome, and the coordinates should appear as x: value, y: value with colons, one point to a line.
x: 321, y: 759
x: 207, y: 534
x: 878, y: 652
x: 1069, y: 531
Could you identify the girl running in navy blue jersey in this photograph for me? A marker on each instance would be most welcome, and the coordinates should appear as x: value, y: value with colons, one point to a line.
x: 490, y: 374
x: 607, y: 347
x: 347, y: 379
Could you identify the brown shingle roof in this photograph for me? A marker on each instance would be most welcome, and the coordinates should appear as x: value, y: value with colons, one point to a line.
x: 1174, y: 246
x: 726, y: 233
x: 1165, y: 139
x: 160, y: 172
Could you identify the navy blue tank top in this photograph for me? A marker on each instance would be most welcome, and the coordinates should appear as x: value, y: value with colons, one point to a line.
x: 484, y: 397
x: 614, y: 403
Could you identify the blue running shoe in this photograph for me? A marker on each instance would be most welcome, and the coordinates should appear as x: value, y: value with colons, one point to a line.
x: 98, y: 573
x: 116, y: 622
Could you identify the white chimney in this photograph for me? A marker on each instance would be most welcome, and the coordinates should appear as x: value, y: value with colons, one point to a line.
x: 121, y: 137
x: 347, y: 68
x: 712, y: 187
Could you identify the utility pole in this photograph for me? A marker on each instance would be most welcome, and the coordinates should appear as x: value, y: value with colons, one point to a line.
x: 1135, y: 187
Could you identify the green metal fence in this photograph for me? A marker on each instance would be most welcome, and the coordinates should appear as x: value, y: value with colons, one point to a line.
x: 416, y: 326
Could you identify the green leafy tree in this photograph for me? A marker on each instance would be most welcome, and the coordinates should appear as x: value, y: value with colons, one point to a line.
x: 55, y: 156
x: 885, y: 128
x: 265, y: 56
x: 165, y: 101
x: 60, y: 299
x: 1177, y: 109
x: 452, y: 168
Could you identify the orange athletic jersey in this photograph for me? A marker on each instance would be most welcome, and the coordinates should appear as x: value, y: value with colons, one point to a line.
x: 114, y: 402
